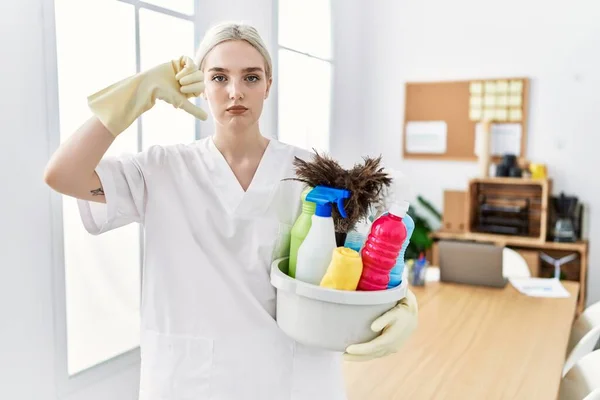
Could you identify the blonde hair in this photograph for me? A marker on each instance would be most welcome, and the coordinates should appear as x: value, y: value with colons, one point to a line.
x: 227, y: 31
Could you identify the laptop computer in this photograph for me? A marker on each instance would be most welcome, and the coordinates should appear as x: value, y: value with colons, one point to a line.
x: 471, y: 263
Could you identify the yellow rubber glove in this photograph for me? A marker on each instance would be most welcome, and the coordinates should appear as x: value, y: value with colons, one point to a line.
x: 396, y: 325
x: 118, y: 105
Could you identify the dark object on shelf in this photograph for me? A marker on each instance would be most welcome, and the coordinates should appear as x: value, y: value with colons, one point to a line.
x: 508, y: 167
x: 566, y: 218
x: 500, y: 229
x: 515, y: 172
x: 501, y: 170
x: 507, y: 219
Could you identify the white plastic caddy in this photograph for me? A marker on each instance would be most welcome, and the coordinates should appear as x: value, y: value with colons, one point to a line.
x: 328, y: 318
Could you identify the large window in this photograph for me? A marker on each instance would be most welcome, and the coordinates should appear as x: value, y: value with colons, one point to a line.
x: 304, y: 73
x: 99, y: 42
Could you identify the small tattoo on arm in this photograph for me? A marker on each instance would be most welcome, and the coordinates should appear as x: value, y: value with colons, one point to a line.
x: 97, y: 192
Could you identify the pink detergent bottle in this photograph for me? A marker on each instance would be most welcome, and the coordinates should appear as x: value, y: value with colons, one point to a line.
x: 380, y: 252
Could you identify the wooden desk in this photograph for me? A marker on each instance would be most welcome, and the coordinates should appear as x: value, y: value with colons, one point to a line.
x: 473, y: 343
x: 516, y: 242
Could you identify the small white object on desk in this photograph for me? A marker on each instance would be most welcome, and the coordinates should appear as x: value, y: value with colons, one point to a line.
x: 540, y: 287
x: 432, y: 274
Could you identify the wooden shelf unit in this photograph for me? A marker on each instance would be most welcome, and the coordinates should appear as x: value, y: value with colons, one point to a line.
x: 510, y: 192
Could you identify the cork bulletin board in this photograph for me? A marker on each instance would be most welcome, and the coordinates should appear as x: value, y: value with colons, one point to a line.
x: 441, y: 117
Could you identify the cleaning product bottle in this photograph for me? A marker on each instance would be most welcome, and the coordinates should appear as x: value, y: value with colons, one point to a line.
x: 357, y: 236
x: 315, y: 252
x: 344, y: 270
x: 417, y: 275
x: 300, y: 230
x: 398, y: 270
x: 382, y: 248
x: 400, y: 191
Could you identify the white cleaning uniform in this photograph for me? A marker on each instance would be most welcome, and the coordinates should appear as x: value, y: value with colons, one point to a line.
x: 208, y: 308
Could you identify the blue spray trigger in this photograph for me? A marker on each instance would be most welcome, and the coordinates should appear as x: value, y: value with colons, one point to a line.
x: 323, y: 196
x: 341, y: 209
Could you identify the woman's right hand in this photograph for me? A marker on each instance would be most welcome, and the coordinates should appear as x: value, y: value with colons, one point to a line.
x: 177, y: 81
x: 174, y: 82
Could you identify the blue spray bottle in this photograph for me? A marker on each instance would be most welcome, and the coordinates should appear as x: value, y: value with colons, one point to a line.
x: 315, y: 252
x: 398, y: 270
x: 357, y: 236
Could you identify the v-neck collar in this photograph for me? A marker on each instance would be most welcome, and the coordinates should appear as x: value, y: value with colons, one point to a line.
x: 230, y: 191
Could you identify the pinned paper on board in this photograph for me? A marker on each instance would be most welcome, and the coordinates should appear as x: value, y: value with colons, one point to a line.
x: 506, y: 139
x: 426, y: 137
x: 475, y: 114
x: 489, y: 100
x: 502, y: 87
x: 501, y: 115
x: 515, y: 115
x: 489, y: 113
x: 502, y: 101
x: 496, y: 100
x: 516, y: 87
x: 490, y: 87
x: 515, y: 100
x: 476, y: 88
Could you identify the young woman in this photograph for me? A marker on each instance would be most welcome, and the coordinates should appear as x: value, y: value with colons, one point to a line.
x: 216, y: 213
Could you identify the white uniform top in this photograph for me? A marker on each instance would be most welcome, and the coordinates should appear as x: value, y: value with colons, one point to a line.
x: 208, y: 308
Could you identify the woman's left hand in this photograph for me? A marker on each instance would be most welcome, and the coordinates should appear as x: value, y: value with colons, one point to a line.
x: 396, y: 326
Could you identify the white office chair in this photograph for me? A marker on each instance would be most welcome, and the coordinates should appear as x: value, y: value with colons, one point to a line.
x: 585, y: 335
x: 514, y: 265
x: 583, y: 379
x: 595, y: 395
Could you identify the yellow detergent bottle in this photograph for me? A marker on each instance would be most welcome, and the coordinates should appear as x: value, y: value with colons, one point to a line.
x: 344, y: 271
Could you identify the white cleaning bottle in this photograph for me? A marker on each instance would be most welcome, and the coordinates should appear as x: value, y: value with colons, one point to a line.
x: 315, y: 252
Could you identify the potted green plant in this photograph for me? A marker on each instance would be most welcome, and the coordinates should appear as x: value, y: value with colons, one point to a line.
x: 420, y: 240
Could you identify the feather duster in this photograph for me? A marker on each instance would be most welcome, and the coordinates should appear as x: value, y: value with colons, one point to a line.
x: 366, y: 183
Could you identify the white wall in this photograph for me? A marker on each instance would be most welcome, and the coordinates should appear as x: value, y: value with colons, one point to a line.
x: 348, y: 67
x: 556, y: 45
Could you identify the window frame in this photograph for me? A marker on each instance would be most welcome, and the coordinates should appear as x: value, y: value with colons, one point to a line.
x: 68, y: 384
x: 275, y: 60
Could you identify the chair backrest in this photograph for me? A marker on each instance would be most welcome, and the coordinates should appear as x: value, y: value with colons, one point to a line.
x: 514, y: 265
x: 585, y: 346
x: 586, y: 321
x: 582, y: 379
